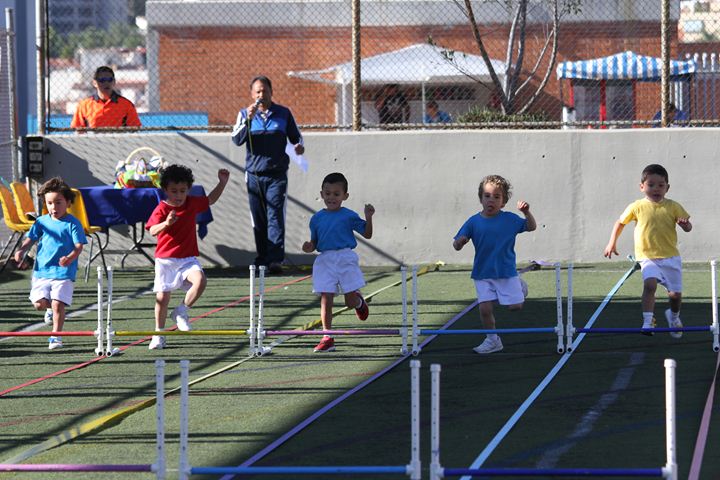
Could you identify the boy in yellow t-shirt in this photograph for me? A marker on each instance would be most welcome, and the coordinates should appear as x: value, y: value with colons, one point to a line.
x: 655, y: 244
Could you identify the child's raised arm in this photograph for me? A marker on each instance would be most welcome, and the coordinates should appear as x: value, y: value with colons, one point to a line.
x: 369, y: 212
x: 460, y: 242
x: 20, y: 252
x: 72, y: 256
x: 685, y: 224
x: 524, y: 207
x: 223, y: 176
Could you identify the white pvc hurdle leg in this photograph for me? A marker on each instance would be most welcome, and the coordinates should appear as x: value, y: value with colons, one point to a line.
x: 415, y: 348
x: 670, y: 471
x: 160, y: 466
x: 414, y: 469
x: 110, y: 333
x: 570, y: 328
x: 403, y: 329
x: 252, y: 310
x: 184, y: 466
x: 714, y: 327
x: 100, y: 349
x: 560, y: 327
x: 261, y: 308
x: 436, y: 470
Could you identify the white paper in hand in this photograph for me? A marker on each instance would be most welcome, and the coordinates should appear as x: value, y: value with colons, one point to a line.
x: 299, y: 159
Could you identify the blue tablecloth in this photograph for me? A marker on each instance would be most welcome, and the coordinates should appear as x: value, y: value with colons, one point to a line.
x: 107, y: 206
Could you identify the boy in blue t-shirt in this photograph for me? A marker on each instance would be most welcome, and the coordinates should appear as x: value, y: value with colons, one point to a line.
x: 61, y: 239
x: 336, y: 269
x: 494, y: 272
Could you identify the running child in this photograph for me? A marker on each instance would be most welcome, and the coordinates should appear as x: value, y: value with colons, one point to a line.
x: 655, y: 245
x: 176, y: 263
x: 494, y: 272
x: 60, y: 238
x: 336, y: 269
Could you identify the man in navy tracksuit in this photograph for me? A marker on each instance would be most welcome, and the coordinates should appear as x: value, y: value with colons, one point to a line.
x: 271, y: 126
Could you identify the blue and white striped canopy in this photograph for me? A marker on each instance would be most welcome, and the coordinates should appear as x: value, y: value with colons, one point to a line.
x: 623, y: 66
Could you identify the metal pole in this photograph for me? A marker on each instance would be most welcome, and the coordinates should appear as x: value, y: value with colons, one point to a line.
x: 12, y: 91
x: 415, y: 465
x: 40, y: 57
x: 160, y: 465
x: 671, y: 468
x: 356, y: 107
x: 665, y: 56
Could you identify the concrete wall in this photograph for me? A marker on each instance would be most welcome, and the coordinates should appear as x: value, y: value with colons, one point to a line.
x: 424, y: 185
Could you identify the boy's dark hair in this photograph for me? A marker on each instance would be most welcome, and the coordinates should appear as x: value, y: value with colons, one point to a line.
x: 336, y: 177
x: 654, y: 169
x: 263, y: 79
x: 104, y: 69
x: 176, y: 174
x: 56, y: 185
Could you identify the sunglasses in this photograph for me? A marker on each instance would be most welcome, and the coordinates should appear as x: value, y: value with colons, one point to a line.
x: 105, y: 79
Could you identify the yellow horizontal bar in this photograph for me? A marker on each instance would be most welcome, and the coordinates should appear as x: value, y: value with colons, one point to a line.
x: 143, y: 333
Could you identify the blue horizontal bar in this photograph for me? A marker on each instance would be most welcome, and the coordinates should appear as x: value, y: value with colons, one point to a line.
x: 642, y: 330
x: 557, y: 472
x: 488, y: 330
x: 297, y: 470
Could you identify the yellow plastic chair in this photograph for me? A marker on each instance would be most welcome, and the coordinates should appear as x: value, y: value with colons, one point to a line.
x: 77, y: 209
x: 13, y: 222
x: 23, y: 202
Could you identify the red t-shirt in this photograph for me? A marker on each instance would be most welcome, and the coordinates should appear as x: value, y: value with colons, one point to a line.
x: 180, y: 239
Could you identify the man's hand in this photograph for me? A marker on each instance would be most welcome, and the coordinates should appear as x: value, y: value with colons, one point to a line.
x: 308, y: 247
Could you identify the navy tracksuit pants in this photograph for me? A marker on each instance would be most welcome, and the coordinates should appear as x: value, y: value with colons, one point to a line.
x: 267, y: 194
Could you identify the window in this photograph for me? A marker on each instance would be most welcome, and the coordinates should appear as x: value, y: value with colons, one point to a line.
x: 619, y: 101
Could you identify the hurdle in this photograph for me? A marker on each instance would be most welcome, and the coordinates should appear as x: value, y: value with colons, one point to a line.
x: 712, y: 328
x: 158, y: 467
x: 669, y: 471
x: 559, y: 329
x: 412, y: 469
x: 258, y: 333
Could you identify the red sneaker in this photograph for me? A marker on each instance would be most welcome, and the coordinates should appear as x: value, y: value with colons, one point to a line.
x: 362, y: 311
x: 327, y: 344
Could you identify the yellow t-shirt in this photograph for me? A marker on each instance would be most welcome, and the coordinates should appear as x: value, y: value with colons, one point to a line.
x: 655, y: 232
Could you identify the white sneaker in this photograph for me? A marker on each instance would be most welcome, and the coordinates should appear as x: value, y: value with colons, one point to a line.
x: 157, y: 343
x: 54, y: 343
x: 180, y: 315
x: 673, y: 323
x: 489, y: 346
x: 48, y: 318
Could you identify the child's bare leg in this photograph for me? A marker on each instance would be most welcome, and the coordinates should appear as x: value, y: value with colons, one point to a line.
x: 675, y: 301
x: 199, y: 281
x: 486, y: 314
x: 517, y: 306
x: 326, y: 306
x: 42, y: 304
x: 648, y: 295
x: 58, y: 309
x: 162, y: 299
x: 352, y: 300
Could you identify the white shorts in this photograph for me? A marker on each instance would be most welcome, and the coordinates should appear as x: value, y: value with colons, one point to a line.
x: 172, y: 273
x: 507, y: 291
x: 337, y: 271
x: 667, y: 271
x: 51, y: 289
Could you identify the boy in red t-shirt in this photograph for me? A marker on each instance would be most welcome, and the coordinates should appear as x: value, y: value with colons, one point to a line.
x: 176, y: 263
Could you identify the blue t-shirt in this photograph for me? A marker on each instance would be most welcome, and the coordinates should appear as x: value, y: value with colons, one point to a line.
x: 333, y: 230
x: 57, y: 238
x: 494, y: 241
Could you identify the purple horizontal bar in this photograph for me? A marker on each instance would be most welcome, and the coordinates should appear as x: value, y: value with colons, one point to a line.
x: 487, y: 330
x: 556, y: 472
x: 642, y: 330
x: 297, y: 470
x: 332, y: 332
x: 71, y: 467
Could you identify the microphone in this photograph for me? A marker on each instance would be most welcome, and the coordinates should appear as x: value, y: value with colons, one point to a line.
x: 258, y: 101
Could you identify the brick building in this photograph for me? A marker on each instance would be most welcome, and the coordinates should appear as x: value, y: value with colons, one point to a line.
x: 202, y: 54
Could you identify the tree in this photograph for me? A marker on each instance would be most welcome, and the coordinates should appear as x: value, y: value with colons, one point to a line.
x: 511, y: 87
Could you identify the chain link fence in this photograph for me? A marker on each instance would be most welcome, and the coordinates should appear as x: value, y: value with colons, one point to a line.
x: 424, y: 63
